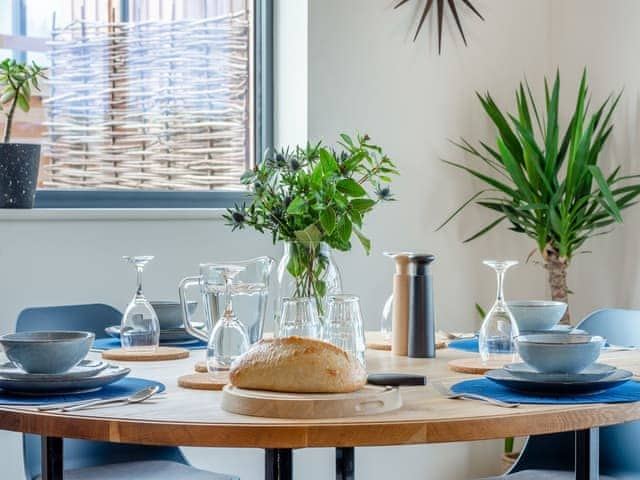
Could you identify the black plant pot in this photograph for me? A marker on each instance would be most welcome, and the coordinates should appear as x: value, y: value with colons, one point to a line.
x: 19, y: 164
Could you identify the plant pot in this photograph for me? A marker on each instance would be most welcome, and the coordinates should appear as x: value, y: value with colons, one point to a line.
x: 19, y: 163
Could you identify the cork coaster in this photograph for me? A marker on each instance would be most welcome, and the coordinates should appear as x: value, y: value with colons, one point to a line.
x: 474, y: 365
x: 376, y: 341
x: 160, y: 353
x: 201, y: 367
x: 204, y: 381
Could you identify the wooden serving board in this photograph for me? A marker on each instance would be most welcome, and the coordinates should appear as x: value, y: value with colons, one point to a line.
x: 370, y: 400
x: 160, y: 353
x: 474, y: 365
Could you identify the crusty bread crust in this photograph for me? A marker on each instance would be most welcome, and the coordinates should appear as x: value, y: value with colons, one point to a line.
x: 298, y: 365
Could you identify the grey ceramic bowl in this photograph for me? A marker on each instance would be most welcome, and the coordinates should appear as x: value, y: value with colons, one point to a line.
x: 46, y: 351
x: 559, y: 352
x: 533, y: 315
x: 170, y: 313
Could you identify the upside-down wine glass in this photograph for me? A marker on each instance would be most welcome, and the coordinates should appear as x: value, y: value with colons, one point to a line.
x: 499, y: 328
x: 140, y: 329
x: 229, y: 337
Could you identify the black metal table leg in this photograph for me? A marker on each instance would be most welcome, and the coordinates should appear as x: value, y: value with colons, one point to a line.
x: 278, y: 464
x: 345, y: 463
x: 588, y: 454
x: 51, y: 458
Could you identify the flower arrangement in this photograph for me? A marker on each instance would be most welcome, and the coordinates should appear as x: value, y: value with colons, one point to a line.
x: 315, y: 195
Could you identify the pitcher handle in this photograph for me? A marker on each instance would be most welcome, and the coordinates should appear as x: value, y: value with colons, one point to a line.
x: 186, y: 283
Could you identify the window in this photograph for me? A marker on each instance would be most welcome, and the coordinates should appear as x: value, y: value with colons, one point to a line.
x: 151, y: 103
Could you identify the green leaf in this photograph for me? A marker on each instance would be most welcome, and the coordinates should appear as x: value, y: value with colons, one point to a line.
x: 23, y: 103
x: 297, y: 206
x: 8, y: 95
x: 350, y: 187
x: 366, y: 243
x: 606, y: 192
x: 316, y: 176
x: 329, y: 164
x: 309, y: 236
x: 328, y: 220
x: 347, y: 139
x: 484, y: 230
x: 363, y: 204
x: 460, y: 208
x: 344, y: 228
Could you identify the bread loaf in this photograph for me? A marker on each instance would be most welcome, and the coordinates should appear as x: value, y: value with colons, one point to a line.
x: 298, y: 365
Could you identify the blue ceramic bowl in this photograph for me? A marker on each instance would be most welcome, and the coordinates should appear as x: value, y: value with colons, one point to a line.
x: 559, y: 352
x: 170, y: 313
x: 46, y: 351
x: 535, y: 315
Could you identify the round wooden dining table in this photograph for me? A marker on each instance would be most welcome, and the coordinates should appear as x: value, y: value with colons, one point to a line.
x: 182, y: 417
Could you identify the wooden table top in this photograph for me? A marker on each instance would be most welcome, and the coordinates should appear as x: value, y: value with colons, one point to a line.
x: 194, y: 417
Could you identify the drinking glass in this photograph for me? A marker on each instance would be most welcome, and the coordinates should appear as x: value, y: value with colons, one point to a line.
x: 387, y: 319
x: 229, y: 337
x: 344, y: 327
x: 499, y: 328
x: 299, y: 317
x: 140, y: 329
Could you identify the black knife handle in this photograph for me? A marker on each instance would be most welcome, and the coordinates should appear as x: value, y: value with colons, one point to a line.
x: 396, y: 379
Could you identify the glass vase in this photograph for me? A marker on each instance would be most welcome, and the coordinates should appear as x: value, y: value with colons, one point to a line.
x: 306, y: 270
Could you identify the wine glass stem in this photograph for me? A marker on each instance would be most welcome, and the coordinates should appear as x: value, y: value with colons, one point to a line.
x: 228, y: 308
x: 500, y: 293
x: 139, y: 269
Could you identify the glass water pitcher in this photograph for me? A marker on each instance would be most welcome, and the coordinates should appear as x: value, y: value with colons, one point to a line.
x: 249, y: 292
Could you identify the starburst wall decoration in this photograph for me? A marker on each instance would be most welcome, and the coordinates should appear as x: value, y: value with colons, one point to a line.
x: 440, y: 7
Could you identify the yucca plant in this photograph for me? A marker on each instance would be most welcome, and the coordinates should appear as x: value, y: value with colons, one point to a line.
x: 546, y: 183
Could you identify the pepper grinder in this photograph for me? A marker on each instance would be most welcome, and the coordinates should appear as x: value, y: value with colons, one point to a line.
x: 400, y: 319
x: 422, y: 332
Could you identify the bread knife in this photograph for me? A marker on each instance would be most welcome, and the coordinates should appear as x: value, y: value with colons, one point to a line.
x: 396, y: 379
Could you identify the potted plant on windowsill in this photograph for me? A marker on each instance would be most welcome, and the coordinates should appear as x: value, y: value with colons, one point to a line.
x: 19, y: 162
x: 546, y: 182
x: 314, y: 199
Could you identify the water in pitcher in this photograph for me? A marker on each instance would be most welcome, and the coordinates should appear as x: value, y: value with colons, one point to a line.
x: 249, y: 304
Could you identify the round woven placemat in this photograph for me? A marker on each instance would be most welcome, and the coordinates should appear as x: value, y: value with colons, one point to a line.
x: 160, y: 353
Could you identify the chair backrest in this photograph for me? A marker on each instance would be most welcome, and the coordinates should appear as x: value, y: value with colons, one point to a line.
x: 618, y: 443
x: 94, y: 317
x: 82, y: 453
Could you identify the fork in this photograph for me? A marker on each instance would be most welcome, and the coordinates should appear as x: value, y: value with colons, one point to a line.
x: 471, y: 396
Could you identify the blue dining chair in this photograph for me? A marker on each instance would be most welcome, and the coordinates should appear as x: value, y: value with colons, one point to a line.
x: 89, y: 460
x: 551, y: 457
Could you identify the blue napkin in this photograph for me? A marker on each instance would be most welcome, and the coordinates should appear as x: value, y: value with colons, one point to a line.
x: 109, y: 343
x: 125, y: 387
x: 627, y: 392
x: 466, y: 344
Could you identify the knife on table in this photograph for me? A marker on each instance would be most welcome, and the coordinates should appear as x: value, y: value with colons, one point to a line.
x: 396, y: 379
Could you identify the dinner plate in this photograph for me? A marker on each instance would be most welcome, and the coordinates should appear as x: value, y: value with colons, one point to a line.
x: 111, y: 374
x: 507, y: 379
x: 166, y: 336
x: 591, y: 373
x: 86, y: 368
x: 556, y: 329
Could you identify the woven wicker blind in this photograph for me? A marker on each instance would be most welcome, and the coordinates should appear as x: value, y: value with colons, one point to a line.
x: 150, y: 105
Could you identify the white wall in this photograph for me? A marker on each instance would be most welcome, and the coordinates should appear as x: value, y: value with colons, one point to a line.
x: 364, y: 73
x: 604, y: 40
